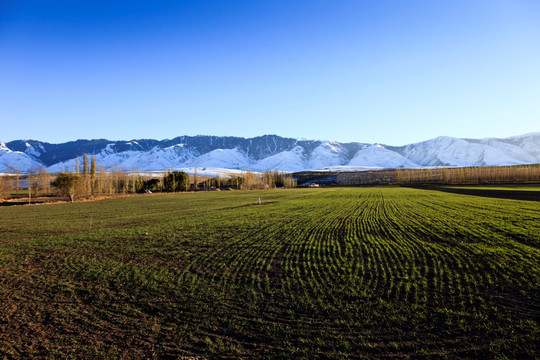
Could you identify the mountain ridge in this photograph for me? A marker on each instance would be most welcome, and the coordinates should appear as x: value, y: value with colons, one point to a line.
x: 268, y: 152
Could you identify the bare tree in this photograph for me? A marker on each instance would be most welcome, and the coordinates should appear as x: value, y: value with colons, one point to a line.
x: 3, y: 186
x: 17, y: 174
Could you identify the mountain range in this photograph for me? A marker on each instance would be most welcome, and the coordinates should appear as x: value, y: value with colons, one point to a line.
x: 267, y: 152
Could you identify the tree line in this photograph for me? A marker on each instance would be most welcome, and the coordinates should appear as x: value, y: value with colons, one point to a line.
x: 86, y: 179
x: 15, y: 184
x: 248, y: 180
x: 470, y: 175
x: 478, y: 175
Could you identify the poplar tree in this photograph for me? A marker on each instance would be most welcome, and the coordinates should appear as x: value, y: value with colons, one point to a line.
x: 85, y: 163
x: 195, y: 178
x: 93, y: 167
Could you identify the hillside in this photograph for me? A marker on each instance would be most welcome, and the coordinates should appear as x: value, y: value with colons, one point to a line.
x: 267, y: 152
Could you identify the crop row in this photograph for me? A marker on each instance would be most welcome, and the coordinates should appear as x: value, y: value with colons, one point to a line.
x: 328, y: 273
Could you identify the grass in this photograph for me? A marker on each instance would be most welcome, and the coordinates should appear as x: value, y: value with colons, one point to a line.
x: 311, y: 273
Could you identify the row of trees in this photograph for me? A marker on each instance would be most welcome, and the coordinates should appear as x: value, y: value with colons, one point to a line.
x: 249, y: 180
x: 91, y: 181
x: 88, y: 180
x: 461, y: 175
x: 470, y: 175
x: 372, y: 177
x: 36, y: 183
x: 74, y: 185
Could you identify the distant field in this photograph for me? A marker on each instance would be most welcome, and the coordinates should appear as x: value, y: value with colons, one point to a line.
x: 312, y: 273
x: 529, y: 192
x: 516, y: 187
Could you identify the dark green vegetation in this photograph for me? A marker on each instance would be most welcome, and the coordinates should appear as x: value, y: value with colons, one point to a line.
x: 176, y: 181
x: 312, y: 273
x: 66, y: 183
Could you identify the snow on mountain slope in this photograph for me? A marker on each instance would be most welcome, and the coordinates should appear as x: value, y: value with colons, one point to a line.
x: 448, y: 151
x: 292, y: 160
x: 34, y: 151
x: 212, y: 171
x: 494, y: 157
x: 530, y: 143
x: 64, y: 166
x: 132, y: 160
x: 325, y: 155
x: 439, y: 151
x: 147, y: 161
x: 107, y: 159
x: 16, y: 161
x: 171, y: 157
x: 268, y: 152
x: 507, y: 153
x: 155, y: 159
x: 378, y: 156
x: 222, y: 158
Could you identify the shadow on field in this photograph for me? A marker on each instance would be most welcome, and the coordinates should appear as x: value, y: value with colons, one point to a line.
x: 13, y: 203
x: 499, y: 194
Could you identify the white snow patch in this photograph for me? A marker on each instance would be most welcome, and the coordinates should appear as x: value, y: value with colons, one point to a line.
x: 31, y: 150
x: 291, y: 160
x: 16, y: 160
x: 380, y: 157
x: 222, y: 158
x: 326, y: 154
x: 346, y: 168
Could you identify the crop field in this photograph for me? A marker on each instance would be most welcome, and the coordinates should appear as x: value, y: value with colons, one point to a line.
x: 380, y: 272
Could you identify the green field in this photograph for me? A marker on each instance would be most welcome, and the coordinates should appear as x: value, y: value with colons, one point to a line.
x: 382, y: 272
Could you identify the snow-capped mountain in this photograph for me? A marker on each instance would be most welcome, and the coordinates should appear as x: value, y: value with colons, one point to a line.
x: 268, y: 152
x: 449, y: 151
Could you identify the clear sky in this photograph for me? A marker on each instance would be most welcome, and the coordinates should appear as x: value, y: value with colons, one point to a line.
x: 393, y: 72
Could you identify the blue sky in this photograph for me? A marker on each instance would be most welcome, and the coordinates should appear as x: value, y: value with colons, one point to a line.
x: 393, y: 72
